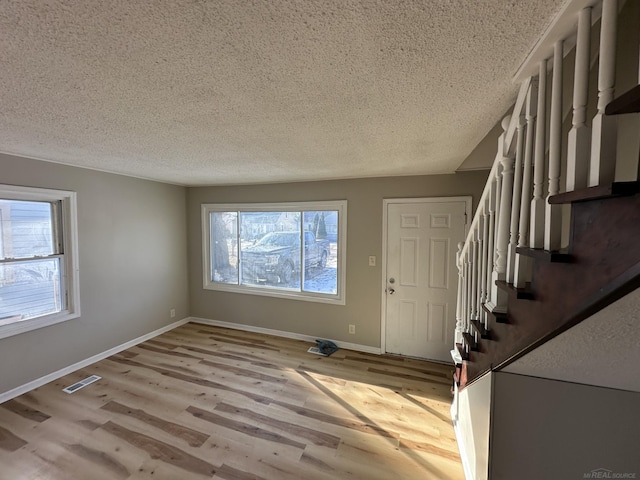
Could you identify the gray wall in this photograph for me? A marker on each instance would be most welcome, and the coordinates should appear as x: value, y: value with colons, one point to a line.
x: 133, y: 266
x: 549, y: 429
x: 483, y: 155
x: 364, y: 238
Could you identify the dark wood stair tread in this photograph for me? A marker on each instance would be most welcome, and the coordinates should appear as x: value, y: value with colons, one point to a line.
x: 501, y: 317
x: 545, y: 255
x: 609, y: 190
x: 470, y: 340
x: 628, y: 102
x: 519, y: 293
x: 480, y: 328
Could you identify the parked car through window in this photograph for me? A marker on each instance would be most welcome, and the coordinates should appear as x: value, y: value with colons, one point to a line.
x: 295, y: 251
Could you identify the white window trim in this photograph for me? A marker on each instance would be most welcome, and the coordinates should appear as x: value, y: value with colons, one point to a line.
x: 70, y: 265
x: 340, y: 205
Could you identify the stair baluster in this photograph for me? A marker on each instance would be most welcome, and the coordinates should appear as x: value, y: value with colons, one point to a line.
x: 469, y: 270
x: 474, y: 278
x: 523, y: 264
x: 553, y: 213
x: 505, y: 197
x: 491, y: 200
x: 459, y: 307
x: 517, y: 198
x: 478, y: 299
x: 536, y: 230
x: 603, y: 127
x: 484, y: 222
x: 579, y: 140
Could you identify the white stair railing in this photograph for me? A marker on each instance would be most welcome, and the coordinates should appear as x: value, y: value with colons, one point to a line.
x: 513, y: 211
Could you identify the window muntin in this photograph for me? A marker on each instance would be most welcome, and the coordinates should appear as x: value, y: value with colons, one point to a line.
x: 38, y: 258
x: 287, y: 250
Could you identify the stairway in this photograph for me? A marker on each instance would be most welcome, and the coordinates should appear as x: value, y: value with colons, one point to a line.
x: 524, y: 277
x: 517, y: 288
x: 601, y: 265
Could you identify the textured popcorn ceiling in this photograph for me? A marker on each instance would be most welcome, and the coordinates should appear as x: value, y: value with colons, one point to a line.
x: 221, y: 92
x: 602, y: 350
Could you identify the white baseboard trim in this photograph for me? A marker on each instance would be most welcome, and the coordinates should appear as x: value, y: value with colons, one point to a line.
x: 280, y: 333
x: 15, y: 392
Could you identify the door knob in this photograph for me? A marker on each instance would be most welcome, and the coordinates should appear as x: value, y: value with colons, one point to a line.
x: 391, y: 291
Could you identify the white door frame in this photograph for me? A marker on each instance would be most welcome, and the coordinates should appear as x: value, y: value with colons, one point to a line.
x: 385, y: 203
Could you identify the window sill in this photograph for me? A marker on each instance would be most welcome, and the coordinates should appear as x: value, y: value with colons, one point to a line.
x: 23, y: 326
x: 270, y: 292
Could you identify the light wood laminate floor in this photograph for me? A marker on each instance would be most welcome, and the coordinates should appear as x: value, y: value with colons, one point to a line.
x: 206, y: 402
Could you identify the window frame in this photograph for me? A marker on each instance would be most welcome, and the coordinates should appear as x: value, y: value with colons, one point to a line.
x: 337, y: 205
x: 69, y: 269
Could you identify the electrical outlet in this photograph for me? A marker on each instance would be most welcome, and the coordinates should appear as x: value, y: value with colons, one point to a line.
x: 172, y: 313
x: 372, y: 260
x: 352, y: 329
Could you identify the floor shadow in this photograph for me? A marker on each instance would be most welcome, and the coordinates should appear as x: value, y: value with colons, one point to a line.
x: 389, y: 436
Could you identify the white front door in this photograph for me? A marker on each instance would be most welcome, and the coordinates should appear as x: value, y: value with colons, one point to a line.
x: 421, y: 277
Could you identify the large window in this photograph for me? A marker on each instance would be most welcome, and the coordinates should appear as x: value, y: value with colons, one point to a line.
x: 284, y: 249
x: 38, y: 258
